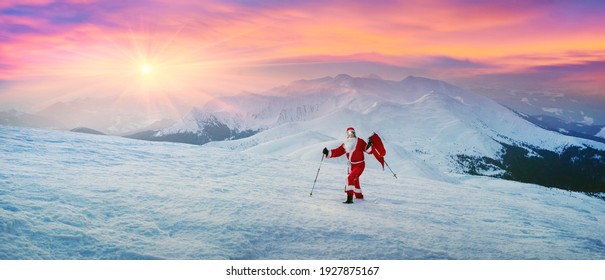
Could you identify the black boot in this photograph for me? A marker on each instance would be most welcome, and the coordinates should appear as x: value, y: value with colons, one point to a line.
x: 349, y: 199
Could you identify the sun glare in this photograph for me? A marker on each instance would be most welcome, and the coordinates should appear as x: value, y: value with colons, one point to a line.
x: 146, y: 69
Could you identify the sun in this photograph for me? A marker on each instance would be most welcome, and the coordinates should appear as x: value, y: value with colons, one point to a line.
x: 146, y: 69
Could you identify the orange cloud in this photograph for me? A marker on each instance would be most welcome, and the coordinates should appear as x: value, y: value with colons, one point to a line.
x: 212, y: 46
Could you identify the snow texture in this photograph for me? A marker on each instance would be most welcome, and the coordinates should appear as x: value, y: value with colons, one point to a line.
x: 66, y: 195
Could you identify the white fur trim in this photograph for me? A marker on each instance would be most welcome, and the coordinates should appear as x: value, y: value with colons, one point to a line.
x: 350, y: 188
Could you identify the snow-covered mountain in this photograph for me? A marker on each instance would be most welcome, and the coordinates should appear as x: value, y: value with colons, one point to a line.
x: 601, y: 133
x: 427, y: 125
x: 568, y: 108
x: 199, y: 127
x: 581, y: 130
x: 110, y: 115
x: 67, y: 195
x: 17, y: 118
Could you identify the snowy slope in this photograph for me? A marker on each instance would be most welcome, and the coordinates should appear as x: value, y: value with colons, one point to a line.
x: 67, y: 195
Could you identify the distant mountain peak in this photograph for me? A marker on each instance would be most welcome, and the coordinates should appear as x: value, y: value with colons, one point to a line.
x: 373, y: 76
x: 343, y: 77
x: 417, y: 79
x: 87, y: 130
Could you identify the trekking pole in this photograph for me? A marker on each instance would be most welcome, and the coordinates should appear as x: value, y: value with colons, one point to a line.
x: 322, y: 160
x: 394, y: 175
x: 385, y: 162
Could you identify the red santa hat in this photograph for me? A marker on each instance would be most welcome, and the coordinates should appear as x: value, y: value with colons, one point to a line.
x: 351, y: 131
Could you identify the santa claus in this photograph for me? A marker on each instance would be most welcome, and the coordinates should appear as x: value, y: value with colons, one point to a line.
x: 353, y: 148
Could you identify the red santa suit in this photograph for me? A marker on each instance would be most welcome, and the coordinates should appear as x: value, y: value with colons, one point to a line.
x: 353, y: 148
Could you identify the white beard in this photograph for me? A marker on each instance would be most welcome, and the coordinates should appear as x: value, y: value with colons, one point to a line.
x: 350, y: 144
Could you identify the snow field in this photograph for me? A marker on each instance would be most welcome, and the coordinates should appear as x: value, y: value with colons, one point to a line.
x: 72, y: 196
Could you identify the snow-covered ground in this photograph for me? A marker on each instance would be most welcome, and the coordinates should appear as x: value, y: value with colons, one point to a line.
x: 66, y: 195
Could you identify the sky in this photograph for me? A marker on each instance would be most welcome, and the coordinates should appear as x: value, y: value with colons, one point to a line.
x: 162, y: 51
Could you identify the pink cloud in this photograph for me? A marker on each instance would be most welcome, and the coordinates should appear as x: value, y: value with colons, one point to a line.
x: 11, y: 3
x: 227, y: 41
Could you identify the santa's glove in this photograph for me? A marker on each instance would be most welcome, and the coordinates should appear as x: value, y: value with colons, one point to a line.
x: 369, y: 142
x: 326, y: 151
